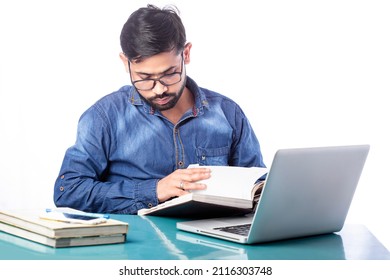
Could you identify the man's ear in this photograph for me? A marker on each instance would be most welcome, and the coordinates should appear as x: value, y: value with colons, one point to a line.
x: 124, y: 59
x: 187, y: 52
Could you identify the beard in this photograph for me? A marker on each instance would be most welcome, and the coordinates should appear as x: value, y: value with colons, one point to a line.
x: 174, y: 98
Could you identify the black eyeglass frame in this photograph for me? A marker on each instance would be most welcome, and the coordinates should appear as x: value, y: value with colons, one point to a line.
x: 157, y: 79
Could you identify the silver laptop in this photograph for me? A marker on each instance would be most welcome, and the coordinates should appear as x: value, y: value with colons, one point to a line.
x: 308, y: 191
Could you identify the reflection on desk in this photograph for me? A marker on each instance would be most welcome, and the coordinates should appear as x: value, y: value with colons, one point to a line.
x: 322, y: 247
x: 152, y: 238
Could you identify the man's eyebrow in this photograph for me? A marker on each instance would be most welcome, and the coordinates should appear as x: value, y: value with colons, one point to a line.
x: 153, y: 74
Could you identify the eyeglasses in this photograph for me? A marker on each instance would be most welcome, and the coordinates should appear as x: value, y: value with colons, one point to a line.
x: 166, y: 80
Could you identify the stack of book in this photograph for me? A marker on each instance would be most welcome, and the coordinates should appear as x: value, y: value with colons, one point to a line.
x: 33, y: 225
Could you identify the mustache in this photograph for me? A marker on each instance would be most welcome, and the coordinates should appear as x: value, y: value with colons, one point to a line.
x: 161, y: 96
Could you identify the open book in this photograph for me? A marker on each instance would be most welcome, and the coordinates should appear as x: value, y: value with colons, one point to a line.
x: 231, y: 190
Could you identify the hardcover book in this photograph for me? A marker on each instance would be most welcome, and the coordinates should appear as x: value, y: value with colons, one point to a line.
x: 63, y: 242
x: 29, y: 224
x: 230, y: 191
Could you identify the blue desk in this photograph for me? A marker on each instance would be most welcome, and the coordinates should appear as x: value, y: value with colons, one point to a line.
x: 157, y: 238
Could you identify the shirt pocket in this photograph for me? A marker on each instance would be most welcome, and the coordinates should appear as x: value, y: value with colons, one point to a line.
x: 213, y: 156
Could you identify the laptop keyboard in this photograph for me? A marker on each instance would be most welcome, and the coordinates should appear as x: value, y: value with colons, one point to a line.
x: 238, y: 229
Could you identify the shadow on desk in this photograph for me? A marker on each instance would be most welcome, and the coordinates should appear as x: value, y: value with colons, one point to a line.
x: 156, y: 238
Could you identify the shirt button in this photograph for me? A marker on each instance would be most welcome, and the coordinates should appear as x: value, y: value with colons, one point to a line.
x: 181, y: 163
x: 150, y: 205
x: 63, y: 176
x: 203, y: 157
x: 62, y: 188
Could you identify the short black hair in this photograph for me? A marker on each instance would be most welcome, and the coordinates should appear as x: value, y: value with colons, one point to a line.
x: 150, y: 31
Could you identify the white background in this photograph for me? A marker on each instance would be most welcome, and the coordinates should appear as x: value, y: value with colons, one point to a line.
x: 307, y: 73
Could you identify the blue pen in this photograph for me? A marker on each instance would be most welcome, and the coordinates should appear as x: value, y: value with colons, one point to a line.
x: 95, y: 215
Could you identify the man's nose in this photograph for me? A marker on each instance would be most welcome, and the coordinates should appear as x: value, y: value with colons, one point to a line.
x: 159, y: 88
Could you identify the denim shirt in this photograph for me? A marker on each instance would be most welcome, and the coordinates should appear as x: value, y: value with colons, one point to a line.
x: 124, y: 147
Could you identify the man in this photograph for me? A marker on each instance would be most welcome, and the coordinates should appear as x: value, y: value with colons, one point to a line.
x: 133, y: 145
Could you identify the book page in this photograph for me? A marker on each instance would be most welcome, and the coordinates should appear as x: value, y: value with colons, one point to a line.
x: 231, y: 181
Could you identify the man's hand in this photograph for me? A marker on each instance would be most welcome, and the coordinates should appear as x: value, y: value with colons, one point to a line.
x: 181, y: 181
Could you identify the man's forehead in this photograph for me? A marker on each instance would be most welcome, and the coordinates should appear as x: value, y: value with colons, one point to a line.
x: 157, y: 64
